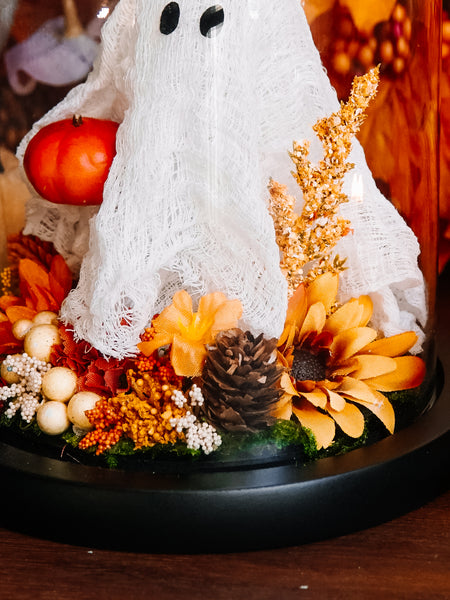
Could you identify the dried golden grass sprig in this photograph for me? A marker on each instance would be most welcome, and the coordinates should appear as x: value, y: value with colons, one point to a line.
x: 311, y: 236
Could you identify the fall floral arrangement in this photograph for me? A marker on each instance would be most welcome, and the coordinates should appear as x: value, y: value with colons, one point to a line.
x: 198, y: 380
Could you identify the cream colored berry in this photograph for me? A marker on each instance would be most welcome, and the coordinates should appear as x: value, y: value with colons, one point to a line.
x: 45, y: 317
x: 52, y: 418
x: 77, y: 407
x: 39, y: 341
x: 8, y: 374
x: 59, y: 383
x: 21, y: 327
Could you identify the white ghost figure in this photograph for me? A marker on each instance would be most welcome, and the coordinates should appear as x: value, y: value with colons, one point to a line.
x: 208, y: 112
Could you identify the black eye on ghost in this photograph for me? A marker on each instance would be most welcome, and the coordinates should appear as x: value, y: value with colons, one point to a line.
x: 170, y: 17
x: 210, y: 23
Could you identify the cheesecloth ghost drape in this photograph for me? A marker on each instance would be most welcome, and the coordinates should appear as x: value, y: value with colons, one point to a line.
x: 205, y: 122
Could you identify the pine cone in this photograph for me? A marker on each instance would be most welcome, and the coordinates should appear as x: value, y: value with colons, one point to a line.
x: 239, y: 380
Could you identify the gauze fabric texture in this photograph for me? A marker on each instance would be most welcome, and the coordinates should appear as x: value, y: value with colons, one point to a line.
x: 205, y: 122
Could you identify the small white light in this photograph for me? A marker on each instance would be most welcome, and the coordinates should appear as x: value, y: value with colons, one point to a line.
x: 357, y: 194
x: 253, y: 9
x: 103, y: 12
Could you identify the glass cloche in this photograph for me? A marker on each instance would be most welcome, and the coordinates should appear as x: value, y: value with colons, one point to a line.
x: 219, y: 233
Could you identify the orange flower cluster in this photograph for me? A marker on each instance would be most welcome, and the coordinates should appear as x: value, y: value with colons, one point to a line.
x: 148, y: 410
x: 44, y: 282
x: 158, y: 366
x: 189, y: 332
x: 108, y: 422
x: 144, y: 415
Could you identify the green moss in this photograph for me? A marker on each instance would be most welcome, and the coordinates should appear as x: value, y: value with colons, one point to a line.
x: 19, y: 424
x: 286, y: 433
x: 4, y: 421
x: 274, y: 441
x: 71, y: 438
x: 344, y: 443
x: 281, y: 436
x: 410, y: 404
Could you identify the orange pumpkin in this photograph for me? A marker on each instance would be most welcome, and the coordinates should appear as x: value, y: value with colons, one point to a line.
x: 68, y: 161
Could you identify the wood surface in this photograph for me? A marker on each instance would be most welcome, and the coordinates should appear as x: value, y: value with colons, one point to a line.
x: 406, y: 559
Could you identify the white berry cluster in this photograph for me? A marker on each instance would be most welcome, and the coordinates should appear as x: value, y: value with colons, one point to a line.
x: 199, y: 436
x: 26, y: 393
x: 195, y: 395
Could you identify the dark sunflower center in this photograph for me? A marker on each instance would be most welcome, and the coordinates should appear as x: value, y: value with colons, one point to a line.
x: 308, y: 366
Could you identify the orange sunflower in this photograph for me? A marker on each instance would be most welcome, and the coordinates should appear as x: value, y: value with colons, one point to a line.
x: 334, y: 362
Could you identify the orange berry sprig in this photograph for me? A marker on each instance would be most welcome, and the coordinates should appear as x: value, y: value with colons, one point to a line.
x: 108, y: 422
x: 149, y: 410
x: 146, y: 414
x: 104, y: 439
x: 156, y: 365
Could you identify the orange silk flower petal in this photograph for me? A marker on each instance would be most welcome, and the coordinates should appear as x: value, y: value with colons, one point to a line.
x: 283, y: 408
x: 226, y: 316
x: 410, y: 373
x: 348, y: 342
x: 15, y: 313
x: 33, y: 274
x: 321, y: 425
x: 317, y: 398
x: 296, y: 312
x: 323, y: 289
x: 314, y: 321
x: 354, y: 388
x: 187, y: 358
x: 371, y: 365
x: 346, y: 316
x: 176, y: 314
x: 345, y: 368
x: 382, y: 409
x: 367, y: 309
x: 354, y: 313
x: 395, y: 345
x: 349, y: 419
x: 6, y: 301
x: 158, y: 341
x: 208, y: 305
x: 337, y: 402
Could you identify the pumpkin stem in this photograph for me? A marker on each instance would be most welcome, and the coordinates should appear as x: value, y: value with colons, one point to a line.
x: 77, y: 120
x: 73, y: 26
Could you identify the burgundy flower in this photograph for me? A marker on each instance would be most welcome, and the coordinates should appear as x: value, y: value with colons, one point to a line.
x: 95, y: 372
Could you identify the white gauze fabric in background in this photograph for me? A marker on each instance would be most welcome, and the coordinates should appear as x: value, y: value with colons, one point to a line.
x: 205, y: 122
